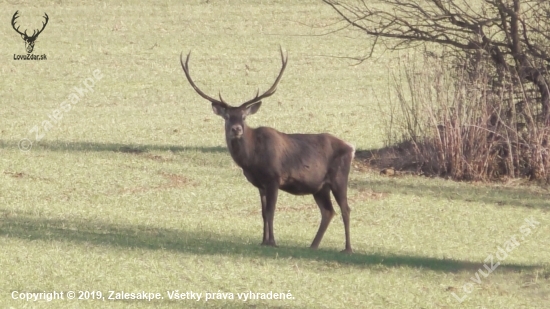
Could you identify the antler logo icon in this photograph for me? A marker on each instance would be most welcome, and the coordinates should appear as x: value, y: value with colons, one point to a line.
x: 29, y: 40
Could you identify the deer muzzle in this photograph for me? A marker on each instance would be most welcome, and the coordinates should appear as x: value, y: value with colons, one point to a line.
x: 236, y: 131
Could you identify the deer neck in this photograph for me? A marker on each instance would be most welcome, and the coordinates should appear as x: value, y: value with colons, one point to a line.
x: 242, y: 149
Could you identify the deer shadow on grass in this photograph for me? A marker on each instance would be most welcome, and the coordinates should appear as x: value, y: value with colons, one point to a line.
x: 23, y: 226
x: 63, y: 146
x: 500, y: 196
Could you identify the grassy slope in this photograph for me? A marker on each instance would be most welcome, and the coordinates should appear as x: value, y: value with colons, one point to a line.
x: 134, y: 190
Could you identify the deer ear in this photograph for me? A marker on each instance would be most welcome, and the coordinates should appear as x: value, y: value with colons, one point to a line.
x: 252, y: 109
x: 218, y: 109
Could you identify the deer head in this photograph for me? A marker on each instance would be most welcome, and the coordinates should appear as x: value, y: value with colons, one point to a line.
x: 29, y: 40
x: 234, y: 116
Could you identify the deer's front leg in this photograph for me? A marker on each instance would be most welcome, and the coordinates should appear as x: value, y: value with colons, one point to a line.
x: 265, y: 239
x: 269, y: 201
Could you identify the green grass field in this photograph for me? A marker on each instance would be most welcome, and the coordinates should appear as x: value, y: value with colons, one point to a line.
x: 133, y: 189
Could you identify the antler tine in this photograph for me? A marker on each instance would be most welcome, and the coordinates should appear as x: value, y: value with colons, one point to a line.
x: 270, y: 91
x: 185, y: 68
x: 221, y: 99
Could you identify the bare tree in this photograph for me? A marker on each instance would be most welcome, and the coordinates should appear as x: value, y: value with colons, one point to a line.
x: 515, y: 33
x: 511, y: 36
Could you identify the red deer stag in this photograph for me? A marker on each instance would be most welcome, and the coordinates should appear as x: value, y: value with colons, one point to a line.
x: 296, y: 163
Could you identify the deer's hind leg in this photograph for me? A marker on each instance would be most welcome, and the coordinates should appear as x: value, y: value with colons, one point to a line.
x: 339, y: 187
x: 322, y: 198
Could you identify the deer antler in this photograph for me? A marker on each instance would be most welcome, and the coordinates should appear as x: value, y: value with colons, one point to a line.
x: 273, y: 88
x: 185, y: 67
x: 13, y: 24
x: 43, y: 26
x: 256, y: 99
x: 34, y: 33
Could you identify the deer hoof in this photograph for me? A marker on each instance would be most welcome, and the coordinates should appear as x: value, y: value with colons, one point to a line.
x: 347, y: 251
